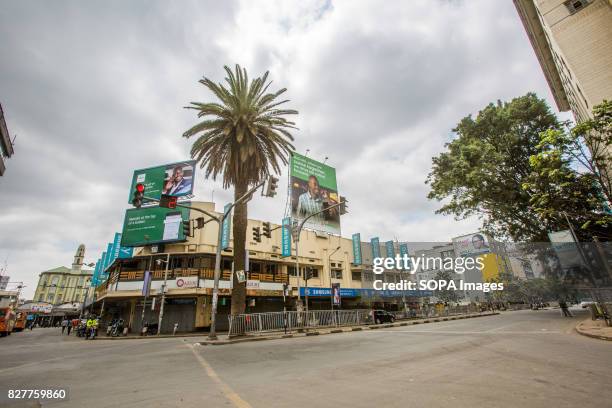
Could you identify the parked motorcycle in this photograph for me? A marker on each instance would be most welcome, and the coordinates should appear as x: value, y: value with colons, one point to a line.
x: 117, y: 328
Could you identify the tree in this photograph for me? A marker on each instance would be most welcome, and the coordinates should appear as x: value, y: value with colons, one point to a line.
x: 558, y: 189
x: 483, y: 169
x: 445, y: 295
x: 243, y: 137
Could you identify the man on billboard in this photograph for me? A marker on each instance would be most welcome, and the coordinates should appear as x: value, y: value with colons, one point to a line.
x: 176, y: 184
x: 313, y: 201
x: 478, y: 241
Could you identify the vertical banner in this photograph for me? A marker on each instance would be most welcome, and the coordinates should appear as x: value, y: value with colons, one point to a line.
x: 375, y: 242
x: 357, y: 248
x: 146, y: 284
x: 116, y: 246
x: 390, y: 249
x: 96, y: 275
x: 286, y: 237
x: 102, y: 264
x: 109, y: 255
x: 336, y: 294
x: 403, y: 248
x: 227, y: 226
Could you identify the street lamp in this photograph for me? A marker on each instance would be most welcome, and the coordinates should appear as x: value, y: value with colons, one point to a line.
x: 163, y: 297
x: 330, y: 276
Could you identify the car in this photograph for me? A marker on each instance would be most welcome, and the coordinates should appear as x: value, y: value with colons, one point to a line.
x: 382, y: 316
x: 586, y: 303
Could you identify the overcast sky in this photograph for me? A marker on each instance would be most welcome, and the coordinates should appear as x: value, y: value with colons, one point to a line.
x: 94, y: 90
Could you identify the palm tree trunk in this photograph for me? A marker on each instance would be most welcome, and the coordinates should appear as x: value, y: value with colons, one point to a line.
x: 240, y: 230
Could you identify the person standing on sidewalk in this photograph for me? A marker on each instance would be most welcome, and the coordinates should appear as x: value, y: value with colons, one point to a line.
x: 565, y: 309
x: 64, y: 325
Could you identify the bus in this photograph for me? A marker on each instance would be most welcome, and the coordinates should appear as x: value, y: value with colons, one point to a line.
x: 7, y: 321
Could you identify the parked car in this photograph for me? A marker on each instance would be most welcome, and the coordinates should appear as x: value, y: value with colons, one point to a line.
x: 381, y: 316
x: 586, y: 303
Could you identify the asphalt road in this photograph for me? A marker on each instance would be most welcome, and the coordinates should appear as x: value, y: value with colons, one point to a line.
x: 516, y: 359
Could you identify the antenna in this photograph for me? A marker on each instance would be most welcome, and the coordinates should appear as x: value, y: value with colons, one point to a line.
x: 325, y: 161
x: 307, y: 151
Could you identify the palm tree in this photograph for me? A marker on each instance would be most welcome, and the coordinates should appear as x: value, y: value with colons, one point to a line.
x: 243, y: 137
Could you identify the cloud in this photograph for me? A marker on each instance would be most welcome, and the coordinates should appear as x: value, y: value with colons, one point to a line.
x: 94, y: 91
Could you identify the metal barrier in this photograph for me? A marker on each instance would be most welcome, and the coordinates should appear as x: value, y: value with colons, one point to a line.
x: 291, y: 320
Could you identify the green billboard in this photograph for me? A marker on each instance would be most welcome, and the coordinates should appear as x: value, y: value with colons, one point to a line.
x: 153, y: 225
x: 175, y: 179
x: 313, y: 189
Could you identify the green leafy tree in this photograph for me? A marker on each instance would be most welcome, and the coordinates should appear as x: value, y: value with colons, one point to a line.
x: 558, y: 189
x: 446, y: 295
x: 243, y: 137
x: 483, y: 169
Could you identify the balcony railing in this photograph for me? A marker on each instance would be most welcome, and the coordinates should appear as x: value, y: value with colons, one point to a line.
x: 203, y: 273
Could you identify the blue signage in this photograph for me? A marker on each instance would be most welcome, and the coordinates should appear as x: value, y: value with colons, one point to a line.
x: 403, y: 248
x: 347, y: 292
x: 286, y: 237
x: 357, y: 249
x: 390, y: 249
x: 227, y: 226
x: 96, y: 275
x: 375, y: 248
x: 126, y: 252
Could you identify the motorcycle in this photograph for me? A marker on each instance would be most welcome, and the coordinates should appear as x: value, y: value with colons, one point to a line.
x: 117, y: 328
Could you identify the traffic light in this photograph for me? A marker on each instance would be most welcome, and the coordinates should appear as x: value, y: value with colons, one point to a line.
x: 271, y: 187
x: 167, y: 201
x: 187, y: 228
x: 200, y: 222
x: 343, y: 205
x: 138, y: 196
x: 256, y: 234
x: 267, y: 230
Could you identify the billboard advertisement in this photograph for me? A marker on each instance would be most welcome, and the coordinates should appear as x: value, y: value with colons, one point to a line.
x: 153, y: 225
x: 175, y: 179
x: 471, y: 244
x: 313, y: 188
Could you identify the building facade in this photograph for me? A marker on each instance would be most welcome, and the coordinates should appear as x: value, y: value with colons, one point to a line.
x: 63, y: 285
x: 571, y: 40
x: 6, y: 144
x: 326, y: 259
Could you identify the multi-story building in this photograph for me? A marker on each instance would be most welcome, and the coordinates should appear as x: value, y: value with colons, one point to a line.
x: 327, y: 259
x: 62, y: 285
x: 571, y: 39
x: 6, y: 144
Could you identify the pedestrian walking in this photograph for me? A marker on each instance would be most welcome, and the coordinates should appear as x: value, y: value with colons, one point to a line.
x: 565, y: 309
x: 64, y: 325
x: 68, y: 327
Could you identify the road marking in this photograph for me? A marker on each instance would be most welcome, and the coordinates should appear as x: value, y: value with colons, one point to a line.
x: 229, y: 393
x: 488, y: 333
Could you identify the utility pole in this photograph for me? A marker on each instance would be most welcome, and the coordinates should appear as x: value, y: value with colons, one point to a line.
x: 297, y: 239
x: 163, y: 296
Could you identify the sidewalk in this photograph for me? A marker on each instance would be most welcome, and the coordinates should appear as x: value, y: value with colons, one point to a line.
x: 223, y: 340
x: 595, y: 328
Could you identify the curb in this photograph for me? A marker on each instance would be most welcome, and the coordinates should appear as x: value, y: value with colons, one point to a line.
x: 591, y: 335
x: 335, y: 330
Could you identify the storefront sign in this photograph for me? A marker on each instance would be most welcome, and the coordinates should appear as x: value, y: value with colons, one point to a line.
x: 187, y: 282
x: 357, y: 249
x: 286, y: 237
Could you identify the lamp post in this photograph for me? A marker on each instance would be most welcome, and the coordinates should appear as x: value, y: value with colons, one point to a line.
x: 297, y: 258
x: 163, y: 296
x: 330, y: 276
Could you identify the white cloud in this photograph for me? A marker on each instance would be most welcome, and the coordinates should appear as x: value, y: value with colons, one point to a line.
x: 94, y: 91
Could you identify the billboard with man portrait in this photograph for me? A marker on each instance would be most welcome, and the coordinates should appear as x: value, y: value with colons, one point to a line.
x: 175, y: 179
x: 313, y: 189
x: 471, y: 244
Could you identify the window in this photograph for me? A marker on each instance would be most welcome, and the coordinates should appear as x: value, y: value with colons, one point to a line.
x: 368, y: 276
x: 574, y: 6
x: 41, y: 298
x: 336, y: 273
x: 50, y: 298
x: 313, y: 272
x: 356, y: 276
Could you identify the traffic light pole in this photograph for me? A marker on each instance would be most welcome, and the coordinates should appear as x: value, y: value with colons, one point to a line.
x: 212, y: 335
x: 297, y: 258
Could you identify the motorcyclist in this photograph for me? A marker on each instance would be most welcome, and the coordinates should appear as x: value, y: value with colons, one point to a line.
x: 89, y: 326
